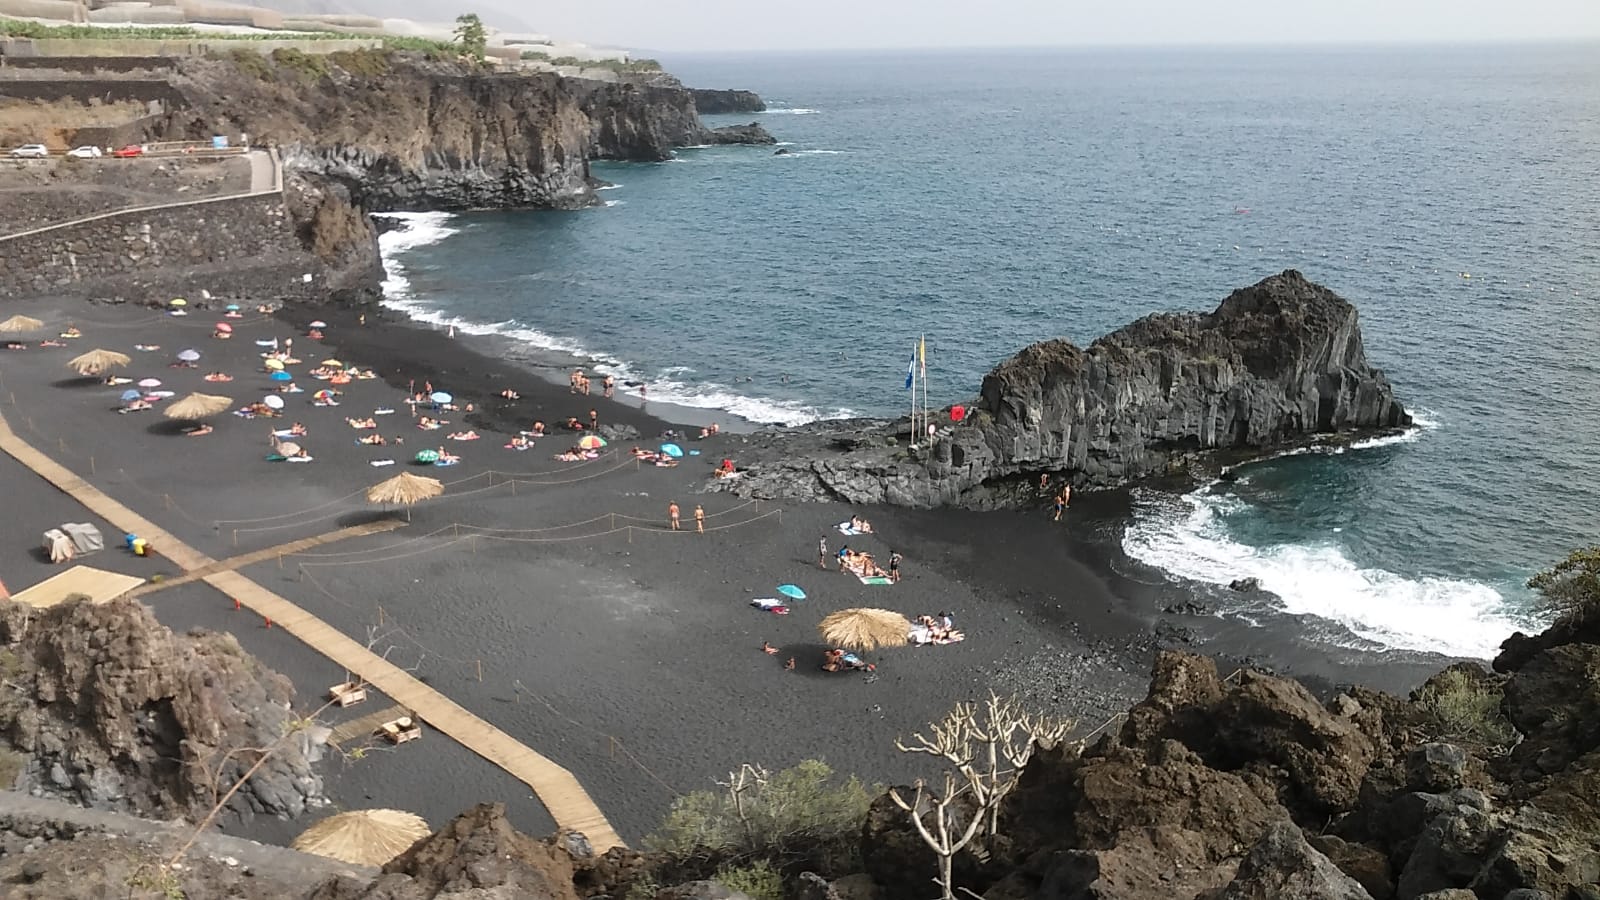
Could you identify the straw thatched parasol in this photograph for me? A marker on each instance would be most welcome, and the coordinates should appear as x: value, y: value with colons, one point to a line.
x: 19, y: 324
x: 98, y: 362
x: 198, y: 406
x: 365, y: 837
x: 405, y: 488
x: 865, y: 629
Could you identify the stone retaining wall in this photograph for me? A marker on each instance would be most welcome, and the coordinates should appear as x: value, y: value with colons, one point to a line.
x: 243, y: 246
x: 199, y: 46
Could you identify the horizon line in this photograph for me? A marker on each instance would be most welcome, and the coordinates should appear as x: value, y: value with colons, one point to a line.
x: 1288, y: 44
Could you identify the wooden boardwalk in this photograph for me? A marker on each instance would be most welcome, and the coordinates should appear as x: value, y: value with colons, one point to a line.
x: 569, y: 804
x: 234, y: 563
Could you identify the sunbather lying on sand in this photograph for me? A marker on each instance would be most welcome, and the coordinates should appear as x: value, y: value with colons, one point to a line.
x: 376, y: 439
x: 114, y: 380
x: 570, y: 456
x: 427, y: 424
x: 135, y: 406
x: 468, y: 435
x: 14, y: 345
x: 200, y: 431
x: 51, y: 344
x: 362, y: 423
x: 219, y: 376
x: 519, y: 443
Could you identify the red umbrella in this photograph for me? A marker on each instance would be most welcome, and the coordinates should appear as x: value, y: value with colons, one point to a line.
x: 224, y: 328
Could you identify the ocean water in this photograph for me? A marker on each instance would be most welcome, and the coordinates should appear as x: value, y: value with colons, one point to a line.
x: 991, y: 200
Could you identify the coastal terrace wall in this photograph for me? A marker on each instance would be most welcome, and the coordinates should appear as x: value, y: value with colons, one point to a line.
x: 239, y: 246
x: 146, y: 47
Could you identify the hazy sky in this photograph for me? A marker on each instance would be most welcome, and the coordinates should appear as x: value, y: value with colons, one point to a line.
x: 849, y: 24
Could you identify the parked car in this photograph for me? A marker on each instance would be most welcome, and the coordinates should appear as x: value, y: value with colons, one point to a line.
x: 30, y: 151
x: 85, y: 153
x: 129, y: 151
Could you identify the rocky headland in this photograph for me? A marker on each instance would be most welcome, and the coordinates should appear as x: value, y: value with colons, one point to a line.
x: 1277, y: 365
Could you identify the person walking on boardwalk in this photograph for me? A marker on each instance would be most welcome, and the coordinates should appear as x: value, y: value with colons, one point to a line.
x: 699, y: 518
x: 822, y: 552
x: 672, y: 514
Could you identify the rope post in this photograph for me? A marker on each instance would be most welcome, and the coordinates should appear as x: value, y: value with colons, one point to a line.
x: 513, y: 487
x: 611, y: 746
x: 268, y: 621
x: 380, y: 615
x: 280, y: 560
x: 236, y: 606
x: 480, y: 671
x: 168, y: 499
x: 300, y: 573
x: 613, y: 521
x: 630, y: 534
x: 455, y: 529
x: 91, y: 466
x: 236, y: 537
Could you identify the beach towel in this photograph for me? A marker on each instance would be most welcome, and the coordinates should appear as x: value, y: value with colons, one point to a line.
x: 383, y: 411
x: 446, y: 462
x: 300, y: 459
x: 324, y: 403
x: 266, y: 343
x: 285, y: 433
x: 771, y: 605
x: 874, y: 579
x: 381, y: 462
x: 276, y: 457
x: 847, y: 528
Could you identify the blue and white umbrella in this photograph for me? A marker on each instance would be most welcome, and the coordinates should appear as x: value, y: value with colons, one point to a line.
x: 189, y: 355
x: 672, y: 450
x: 130, y: 395
x: 440, y: 397
x: 793, y: 592
x: 281, y: 376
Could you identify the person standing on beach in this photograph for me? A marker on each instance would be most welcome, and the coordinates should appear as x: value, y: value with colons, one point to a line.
x: 894, y: 566
x: 822, y: 552
x: 672, y: 514
x: 699, y: 518
x: 641, y: 390
x: 611, y: 387
x: 1061, y: 504
x: 594, y: 419
x: 1044, y: 483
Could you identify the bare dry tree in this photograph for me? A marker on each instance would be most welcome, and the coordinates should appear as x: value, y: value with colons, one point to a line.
x: 989, y: 745
x: 746, y: 780
x: 947, y: 836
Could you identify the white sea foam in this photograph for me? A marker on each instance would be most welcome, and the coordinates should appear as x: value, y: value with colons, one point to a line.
x: 608, y: 187
x: 791, y: 111
x: 611, y: 203
x: 808, y: 153
x: 1443, y: 615
x: 420, y: 229
x: 667, y: 386
x: 1188, y: 538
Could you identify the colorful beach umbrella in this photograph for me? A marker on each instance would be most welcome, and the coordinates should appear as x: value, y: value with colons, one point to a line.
x: 319, y: 324
x: 232, y: 307
x: 672, y: 450
x: 791, y: 591
x: 427, y: 456
x: 273, y: 401
x: 224, y: 328
x: 440, y: 397
x: 273, y: 364
x: 130, y: 395
x: 333, y: 364
x: 591, y: 442
x: 324, y: 394
x: 150, y: 383
x: 281, y: 375
x: 189, y: 355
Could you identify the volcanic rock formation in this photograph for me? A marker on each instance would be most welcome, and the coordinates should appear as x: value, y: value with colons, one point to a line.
x: 1276, y: 364
x: 104, y: 706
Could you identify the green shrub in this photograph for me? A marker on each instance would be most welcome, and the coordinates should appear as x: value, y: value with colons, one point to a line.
x: 308, y: 66
x: 797, y: 812
x: 1570, y: 590
x: 1466, y: 708
x: 251, y: 63
x: 760, y: 880
x: 366, y: 63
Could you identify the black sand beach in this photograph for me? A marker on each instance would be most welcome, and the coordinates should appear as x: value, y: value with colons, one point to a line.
x: 623, y: 651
